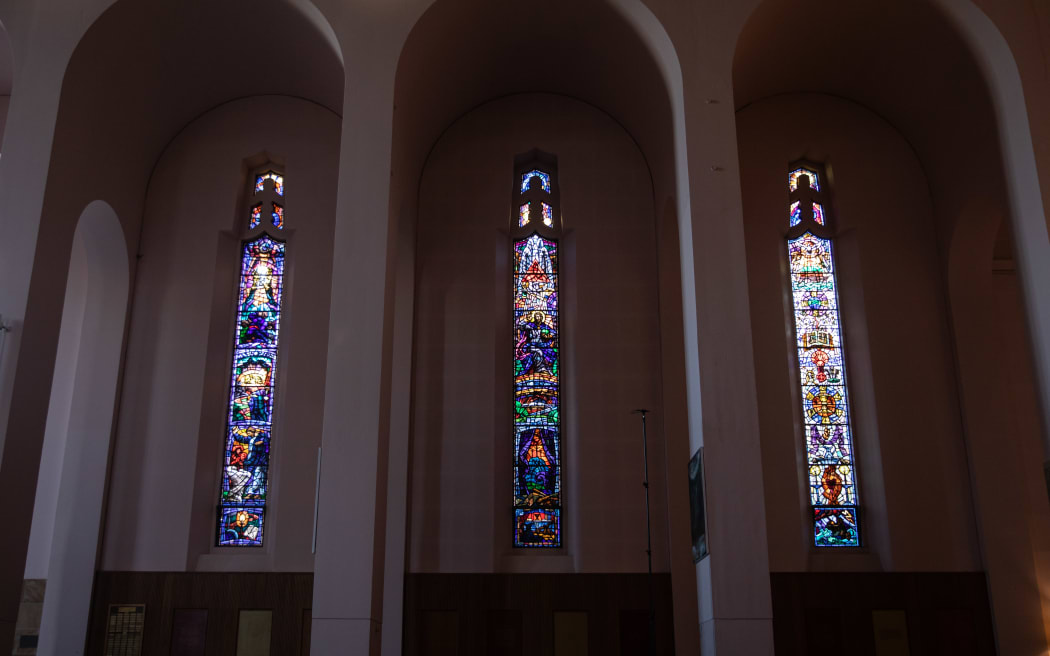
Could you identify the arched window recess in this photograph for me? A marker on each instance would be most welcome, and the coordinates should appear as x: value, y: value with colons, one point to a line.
x: 826, y: 422
x: 535, y: 229
x: 251, y: 400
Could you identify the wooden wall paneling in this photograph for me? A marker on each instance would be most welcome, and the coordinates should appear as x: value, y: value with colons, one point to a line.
x: 945, y: 612
x: 189, y: 632
x: 487, y: 609
x: 223, y: 595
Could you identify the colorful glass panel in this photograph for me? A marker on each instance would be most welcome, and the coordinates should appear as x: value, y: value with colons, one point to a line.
x: 253, y: 223
x: 537, y: 373
x: 545, y: 180
x: 796, y: 213
x: 278, y: 216
x: 814, y: 181
x: 818, y: 213
x: 825, y: 406
x: 278, y: 182
x: 548, y: 215
x: 250, y: 417
x: 523, y: 215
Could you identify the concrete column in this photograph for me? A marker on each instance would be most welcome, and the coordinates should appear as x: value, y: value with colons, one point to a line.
x: 348, y: 569
x: 71, y: 568
x: 733, y: 582
x: 25, y: 377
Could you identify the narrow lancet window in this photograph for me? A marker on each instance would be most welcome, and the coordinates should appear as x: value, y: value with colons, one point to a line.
x: 246, y: 460
x: 818, y: 330
x: 537, y: 362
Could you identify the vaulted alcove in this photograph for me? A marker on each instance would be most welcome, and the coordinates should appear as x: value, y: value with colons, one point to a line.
x: 144, y: 79
x: 894, y: 102
x: 465, y: 107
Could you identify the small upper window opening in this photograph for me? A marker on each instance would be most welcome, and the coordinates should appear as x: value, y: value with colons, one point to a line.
x: 793, y: 177
x: 524, y: 215
x: 796, y: 213
x: 278, y: 182
x: 526, y: 180
x: 256, y: 217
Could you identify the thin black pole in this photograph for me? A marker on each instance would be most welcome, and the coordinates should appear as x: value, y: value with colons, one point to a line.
x: 648, y: 534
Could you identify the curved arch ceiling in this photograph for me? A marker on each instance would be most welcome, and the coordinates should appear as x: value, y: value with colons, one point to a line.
x: 144, y: 70
x: 900, y: 58
x: 462, y: 54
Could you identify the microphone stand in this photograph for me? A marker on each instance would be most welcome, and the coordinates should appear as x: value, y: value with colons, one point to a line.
x: 648, y: 533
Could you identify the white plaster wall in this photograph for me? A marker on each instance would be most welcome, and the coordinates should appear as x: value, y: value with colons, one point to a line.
x: 58, y: 416
x: 4, y: 102
x: 165, y: 475
x: 461, y: 479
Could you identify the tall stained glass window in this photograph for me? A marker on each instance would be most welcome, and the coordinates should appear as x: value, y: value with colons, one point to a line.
x: 249, y: 422
x: 537, y: 362
x: 818, y: 331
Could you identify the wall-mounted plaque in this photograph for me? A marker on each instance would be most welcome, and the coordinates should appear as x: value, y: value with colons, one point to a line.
x: 697, y: 505
x: 124, y: 629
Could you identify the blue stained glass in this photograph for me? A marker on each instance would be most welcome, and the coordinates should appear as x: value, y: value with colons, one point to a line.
x: 818, y: 213
x: 537, y: 528
x: 278, y: 216
x: 537, y: 375
x: 796, y: 213
x: 242, y: 504
x: 241, y: 526
x: 253, y: 223
x: 825, y: 408
x: 835, y: 527
x: 278, y: 182
x: 545, y: 180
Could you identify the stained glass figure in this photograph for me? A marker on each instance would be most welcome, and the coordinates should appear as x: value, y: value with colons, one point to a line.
x: 253, y: 223
x: 825, y: 405
x: 278, y: 182
x: 814, y: 181
x: 548, y: 215
x: 250, y: 416
x: 537, y: 372
x: 278, y: 216
x: 523, y: 215
x: 545, y: 180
